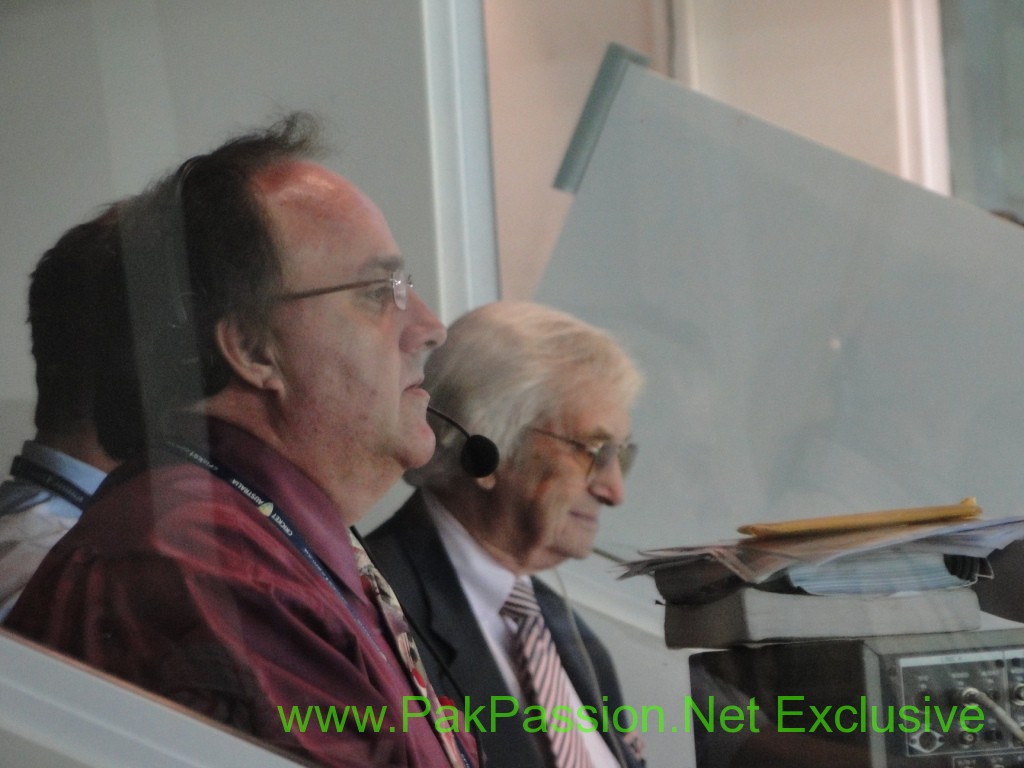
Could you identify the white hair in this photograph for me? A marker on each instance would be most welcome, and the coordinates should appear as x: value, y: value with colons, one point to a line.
x: 509, y: 365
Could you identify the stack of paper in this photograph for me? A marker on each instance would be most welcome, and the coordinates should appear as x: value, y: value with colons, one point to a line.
x: 885, y: 572
x: 891, y: 572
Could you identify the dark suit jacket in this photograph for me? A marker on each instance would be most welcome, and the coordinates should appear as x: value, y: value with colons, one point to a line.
x: 408, y: 549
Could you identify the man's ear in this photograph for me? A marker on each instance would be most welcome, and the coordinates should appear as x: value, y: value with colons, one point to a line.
x: 252, y: 361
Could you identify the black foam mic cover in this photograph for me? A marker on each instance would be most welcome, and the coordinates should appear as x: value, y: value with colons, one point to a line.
x: 479, y: 455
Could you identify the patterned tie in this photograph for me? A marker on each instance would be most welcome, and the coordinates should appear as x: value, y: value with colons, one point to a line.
x: 541, y: 674
x: 378, y: 589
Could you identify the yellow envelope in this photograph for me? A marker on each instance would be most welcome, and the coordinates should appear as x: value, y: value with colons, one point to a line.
x: 965, y: 510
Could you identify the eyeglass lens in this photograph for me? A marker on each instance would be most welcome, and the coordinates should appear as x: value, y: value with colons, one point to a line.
x: 400, y: 285
x: 626, y: 454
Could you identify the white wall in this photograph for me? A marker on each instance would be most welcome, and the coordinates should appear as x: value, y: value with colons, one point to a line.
x: 850, y: 74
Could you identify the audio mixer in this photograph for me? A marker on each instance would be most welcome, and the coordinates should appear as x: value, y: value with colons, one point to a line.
x: 944, y: 700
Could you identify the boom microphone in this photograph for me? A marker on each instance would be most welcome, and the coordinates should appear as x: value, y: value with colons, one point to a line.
x: 479, y: 455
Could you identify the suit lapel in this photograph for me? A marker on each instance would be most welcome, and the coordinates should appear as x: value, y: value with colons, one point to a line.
x: 440, y: 611
x: 447, y: 616
x: 452, y: 630
x: 445, y: 612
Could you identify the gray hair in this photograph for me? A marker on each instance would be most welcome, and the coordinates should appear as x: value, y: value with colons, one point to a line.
x: 508, y: 365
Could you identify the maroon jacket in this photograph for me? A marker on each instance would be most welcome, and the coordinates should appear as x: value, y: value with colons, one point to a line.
x: 174, y: 581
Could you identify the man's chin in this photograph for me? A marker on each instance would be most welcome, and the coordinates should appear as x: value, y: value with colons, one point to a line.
x: 419, y: 448
x: 582, y: 549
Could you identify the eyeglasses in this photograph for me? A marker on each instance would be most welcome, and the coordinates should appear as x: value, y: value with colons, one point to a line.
x: 400, y: 285
x: 601, y: 453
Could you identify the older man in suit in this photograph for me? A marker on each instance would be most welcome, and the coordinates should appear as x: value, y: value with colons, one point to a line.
x: 554, y: 394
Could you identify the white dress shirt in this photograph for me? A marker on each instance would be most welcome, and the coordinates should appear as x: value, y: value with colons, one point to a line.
x: 33, y: 519
x: 487, y: 585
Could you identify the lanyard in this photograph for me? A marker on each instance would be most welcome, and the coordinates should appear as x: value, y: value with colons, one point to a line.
x: 267, y: 508
x: 275, y: 515
x: 25, y: 469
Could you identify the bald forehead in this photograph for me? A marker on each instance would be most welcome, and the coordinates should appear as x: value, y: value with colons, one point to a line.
x: 317, y: 215
x: 303, y: 187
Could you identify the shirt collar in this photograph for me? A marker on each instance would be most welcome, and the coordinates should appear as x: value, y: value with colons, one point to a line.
x: 487, y: 583
x: 85, y: 476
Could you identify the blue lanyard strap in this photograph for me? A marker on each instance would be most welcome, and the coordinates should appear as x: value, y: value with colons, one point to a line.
x: 268, y: 509
x: 25, y: 469
x: 275, y: 515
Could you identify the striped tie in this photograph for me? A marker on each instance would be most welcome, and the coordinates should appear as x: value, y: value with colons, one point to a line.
x: 541, y: 674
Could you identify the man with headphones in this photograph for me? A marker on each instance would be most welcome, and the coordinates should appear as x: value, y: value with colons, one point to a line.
x: 278, y: 348
x: 554, y: 394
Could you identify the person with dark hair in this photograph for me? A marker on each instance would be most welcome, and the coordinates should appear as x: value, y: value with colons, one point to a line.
x: 56, y: 473
x: 279, y: 349
x: 554, y: 394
